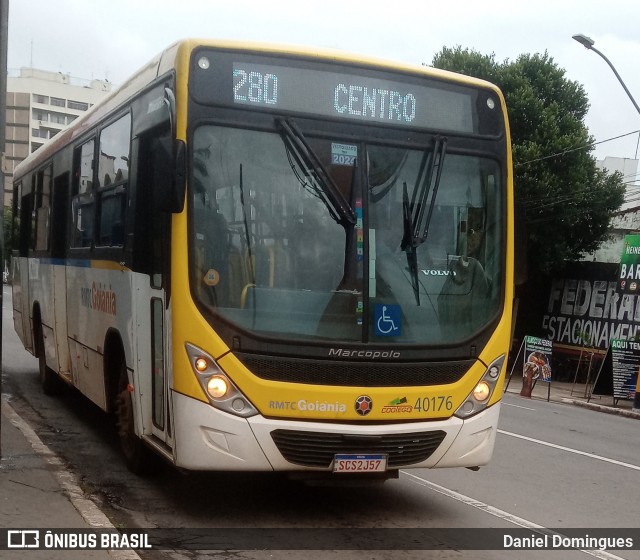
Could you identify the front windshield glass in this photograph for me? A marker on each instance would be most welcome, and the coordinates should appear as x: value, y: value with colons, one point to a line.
x: 455, y: 287
x: 270, y: 255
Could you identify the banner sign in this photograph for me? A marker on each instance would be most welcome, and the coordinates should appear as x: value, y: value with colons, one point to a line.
x: 585, y: 312
x: 537, y: 358
x: 625, y: 360
x: 629, y: 271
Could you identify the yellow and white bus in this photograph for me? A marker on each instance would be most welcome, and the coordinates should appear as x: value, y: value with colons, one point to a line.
x: 266, y: 258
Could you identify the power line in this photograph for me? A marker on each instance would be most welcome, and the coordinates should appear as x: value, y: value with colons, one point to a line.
x: 578, y: 148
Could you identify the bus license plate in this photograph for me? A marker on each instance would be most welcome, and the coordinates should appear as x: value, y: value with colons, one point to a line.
x: 360, y: 463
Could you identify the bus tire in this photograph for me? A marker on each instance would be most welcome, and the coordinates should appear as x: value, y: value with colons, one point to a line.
x: 137, y: 456
x: 49, y: 381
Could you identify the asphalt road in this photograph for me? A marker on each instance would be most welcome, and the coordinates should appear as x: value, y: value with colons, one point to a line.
x: 555, y: 466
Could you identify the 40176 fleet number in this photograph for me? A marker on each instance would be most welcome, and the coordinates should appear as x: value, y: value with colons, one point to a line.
x: 433, y: 404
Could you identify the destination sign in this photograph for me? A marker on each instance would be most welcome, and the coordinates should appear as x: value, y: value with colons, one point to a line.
x: 331, y: 94
x: 335, y: 90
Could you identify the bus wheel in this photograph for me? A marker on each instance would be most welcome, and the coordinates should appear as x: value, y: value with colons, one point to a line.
x: 137, y: 456
x: 48, y: 378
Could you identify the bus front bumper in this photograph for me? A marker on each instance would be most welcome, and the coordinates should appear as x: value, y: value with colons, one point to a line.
x: 208, y: 439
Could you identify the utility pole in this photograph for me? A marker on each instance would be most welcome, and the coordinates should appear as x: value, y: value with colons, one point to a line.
x: 4, y: 35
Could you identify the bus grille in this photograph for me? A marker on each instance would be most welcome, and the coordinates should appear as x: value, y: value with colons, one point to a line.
x: 316, y: 449
x: 355, y: 374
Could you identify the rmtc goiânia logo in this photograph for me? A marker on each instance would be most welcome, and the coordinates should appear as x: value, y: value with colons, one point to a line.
x: 99, y: 297
x: 364, y: 405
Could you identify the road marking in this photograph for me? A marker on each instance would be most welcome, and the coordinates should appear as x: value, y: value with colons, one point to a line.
x: 518, y: 406
x: 570, y: 450
x: 501, y: 514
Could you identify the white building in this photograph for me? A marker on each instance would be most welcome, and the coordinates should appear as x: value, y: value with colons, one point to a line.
x: 627, y: 219
x: 629, y: 169
x: 39, y: 105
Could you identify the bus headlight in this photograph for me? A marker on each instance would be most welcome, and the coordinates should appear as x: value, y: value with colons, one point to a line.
x: 220, y: 390
x: 217, y: 387
x: 478, y: 398
x: 482, y: 392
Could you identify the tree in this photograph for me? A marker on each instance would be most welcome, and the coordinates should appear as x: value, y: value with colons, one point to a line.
x: 567, y: 201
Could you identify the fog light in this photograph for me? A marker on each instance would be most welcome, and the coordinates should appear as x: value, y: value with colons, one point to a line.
x: 217, y: 386
x: 238, y: 405
x: 482, y: 391
x: 467, y: 408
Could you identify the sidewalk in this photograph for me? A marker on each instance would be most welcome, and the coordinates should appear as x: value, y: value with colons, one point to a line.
x: 37, y: 491
x: 575, y: 394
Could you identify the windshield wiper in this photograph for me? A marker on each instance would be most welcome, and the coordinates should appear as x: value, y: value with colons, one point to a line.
x: 416, y: 218
x: 324, y: 187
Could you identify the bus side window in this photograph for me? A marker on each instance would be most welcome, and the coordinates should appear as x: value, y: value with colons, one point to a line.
x: 25, y: 225
x: 113, y: 181
x: 16, y: 206
x: 82, y: 204
x: 43, y: 209
x: 59, y: 215
x: 150, y: 222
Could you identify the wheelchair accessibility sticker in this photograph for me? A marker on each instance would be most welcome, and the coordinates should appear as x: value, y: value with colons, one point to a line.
x: 387, y: 320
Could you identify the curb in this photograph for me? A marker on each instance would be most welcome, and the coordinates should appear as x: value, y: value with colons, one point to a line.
x: 92, y: 515
x: 606, y: 409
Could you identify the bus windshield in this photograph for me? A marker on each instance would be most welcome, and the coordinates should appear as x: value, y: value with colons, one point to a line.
x: 272, y: 253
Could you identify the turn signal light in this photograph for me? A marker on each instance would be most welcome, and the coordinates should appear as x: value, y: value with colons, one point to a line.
x: 201, y: 364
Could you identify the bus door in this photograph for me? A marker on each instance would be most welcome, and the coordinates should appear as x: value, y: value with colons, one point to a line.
x: 160, y: 402
x: 59, y: 231
x: 21, y: 269
x: 20, y: 294
x: 151, y: 257
x: 158, y: 383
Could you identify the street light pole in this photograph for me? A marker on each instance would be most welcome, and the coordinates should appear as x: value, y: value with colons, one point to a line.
x: 588, y: 43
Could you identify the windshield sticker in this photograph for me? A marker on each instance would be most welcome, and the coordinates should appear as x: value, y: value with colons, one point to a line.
x: 211, y: 278
x: 343, y: 154
x: 387, y: 320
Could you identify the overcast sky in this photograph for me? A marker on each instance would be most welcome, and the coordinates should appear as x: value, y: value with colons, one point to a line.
x: 112, y: 39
